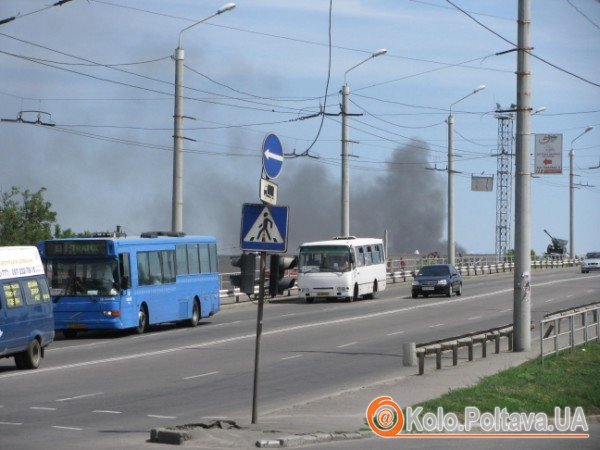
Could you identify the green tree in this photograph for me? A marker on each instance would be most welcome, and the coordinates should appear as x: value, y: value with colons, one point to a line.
x: 25, y: 217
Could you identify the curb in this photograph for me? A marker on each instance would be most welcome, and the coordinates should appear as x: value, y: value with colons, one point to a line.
x: 308, y: 439
x: 164, y: 436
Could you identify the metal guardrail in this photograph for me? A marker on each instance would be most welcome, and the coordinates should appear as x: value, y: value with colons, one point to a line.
x: 406, y: 274
x: 565, y: 329
x: 468, y: 340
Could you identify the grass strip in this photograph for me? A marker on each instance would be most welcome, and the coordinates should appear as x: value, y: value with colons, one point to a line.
x: 567, y: 379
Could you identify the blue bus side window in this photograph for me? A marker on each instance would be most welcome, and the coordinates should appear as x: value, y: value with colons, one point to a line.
x: 168, y: 266
x: 125, y: 270
x: 214, y: 262
x: 182, y: 262
x: 204, y: 258
x: 155, y: 267
x: 143, y: 269
x: 193, y: 262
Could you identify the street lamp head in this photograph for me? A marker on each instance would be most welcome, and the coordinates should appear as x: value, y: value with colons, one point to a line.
x: 539, y: 110
x: 481, y: 87
x: 379, y: 52
x: 226, y: 7
x: 588, y: 129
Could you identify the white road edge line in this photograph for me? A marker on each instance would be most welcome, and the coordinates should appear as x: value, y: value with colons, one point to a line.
x: 347, y: 345
x: 79, y: 396
x: 436, y: 325
x: 395, y: 332
x: 474, y: 318
x: 67, y: 428
x: 101, y: 411
x: 291, y: 357
x: 201, y: 375
x: 11, y: 423
x: 42, y: 408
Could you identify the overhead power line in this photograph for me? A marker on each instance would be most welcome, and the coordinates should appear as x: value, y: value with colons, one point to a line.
x: 526, y: 49
x: 20, y: 16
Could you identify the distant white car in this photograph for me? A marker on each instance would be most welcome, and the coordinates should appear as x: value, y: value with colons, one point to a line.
x: 590, y: 262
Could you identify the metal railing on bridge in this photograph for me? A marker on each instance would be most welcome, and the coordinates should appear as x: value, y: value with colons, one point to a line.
x: 568, y: 328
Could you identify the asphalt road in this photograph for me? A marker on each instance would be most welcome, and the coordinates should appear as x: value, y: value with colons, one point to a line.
x: 109, y: 390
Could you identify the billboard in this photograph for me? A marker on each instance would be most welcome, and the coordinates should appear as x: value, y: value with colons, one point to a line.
x: 482, y: 183
x: 548, y: 153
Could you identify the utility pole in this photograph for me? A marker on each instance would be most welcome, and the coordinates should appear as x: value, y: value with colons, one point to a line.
x: 177, y: 200
x: 345, y: 164
x: 522, y: 274
x: 450, y: 121
x: 572, y: 196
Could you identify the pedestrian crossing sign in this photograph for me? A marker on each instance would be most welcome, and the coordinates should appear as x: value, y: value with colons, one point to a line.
x: 264, y: 228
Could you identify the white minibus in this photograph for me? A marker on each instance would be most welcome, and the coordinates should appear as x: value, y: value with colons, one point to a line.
x: 344, y: 267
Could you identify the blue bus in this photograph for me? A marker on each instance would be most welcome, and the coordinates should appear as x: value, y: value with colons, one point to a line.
x: 130, y: 283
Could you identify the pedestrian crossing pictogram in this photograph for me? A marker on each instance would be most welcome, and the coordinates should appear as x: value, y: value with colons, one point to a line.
x: 264, y: 228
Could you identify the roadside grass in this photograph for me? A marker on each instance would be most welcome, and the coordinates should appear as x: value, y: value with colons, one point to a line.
x: 569, y: 379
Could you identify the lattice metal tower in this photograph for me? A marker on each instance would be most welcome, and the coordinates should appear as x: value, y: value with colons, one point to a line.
x: 504, y: 178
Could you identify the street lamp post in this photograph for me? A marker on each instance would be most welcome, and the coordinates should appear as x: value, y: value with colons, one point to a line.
x: 345, y: 162
x: 450, y: 173
x: 177, y: 202
x: 572, y: 196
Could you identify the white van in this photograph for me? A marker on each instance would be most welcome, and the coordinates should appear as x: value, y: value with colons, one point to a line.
x: 26, y: 319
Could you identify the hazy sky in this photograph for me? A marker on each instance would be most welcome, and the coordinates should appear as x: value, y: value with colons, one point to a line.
x: 102, y: 70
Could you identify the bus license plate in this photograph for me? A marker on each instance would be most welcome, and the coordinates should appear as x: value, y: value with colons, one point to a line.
x: 322, y: 294
x: 76, y: 326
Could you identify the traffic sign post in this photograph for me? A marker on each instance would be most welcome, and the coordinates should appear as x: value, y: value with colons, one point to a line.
x: 264, y: 229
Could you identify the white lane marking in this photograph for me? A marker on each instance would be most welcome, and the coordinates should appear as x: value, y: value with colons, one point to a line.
x: 291, y: 357
x: 226, y: 323
x: 395, y: 332
x: 506, y: 310
x: 288, y: 315
x: 68, y: 347
x: 570, y: 295
x: 101, y: 411
x: 42, y: 408
x: 79, y: 396
x: 549, y: 300
x: 67, y: 428
x: 347, y: 345
x: 11, y: 423
x: 201, y: 375
x: 461, y: 299
x: 436, y: 325
x: 474, y: 318
x: 162, y: 417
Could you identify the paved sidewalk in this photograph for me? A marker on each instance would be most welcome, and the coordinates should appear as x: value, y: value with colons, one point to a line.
x: 340, y: 415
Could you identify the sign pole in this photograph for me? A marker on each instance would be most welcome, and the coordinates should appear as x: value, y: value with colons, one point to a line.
x: 259, y: 320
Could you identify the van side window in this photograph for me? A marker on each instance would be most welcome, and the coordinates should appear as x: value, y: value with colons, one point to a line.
x: 368, y: 257
x: 33, y: 292
x: 360, y: 257
x: 12, y: 293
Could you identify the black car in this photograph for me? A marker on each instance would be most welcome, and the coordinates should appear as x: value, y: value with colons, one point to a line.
x: 437, y: 279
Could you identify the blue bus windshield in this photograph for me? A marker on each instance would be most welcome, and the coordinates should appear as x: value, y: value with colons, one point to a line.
x: 90, y: 277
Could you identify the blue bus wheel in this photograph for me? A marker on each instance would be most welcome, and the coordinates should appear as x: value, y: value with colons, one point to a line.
x: 193, y: 321
x: 142, y: 320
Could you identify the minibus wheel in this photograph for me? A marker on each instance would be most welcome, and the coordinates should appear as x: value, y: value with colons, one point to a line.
x: 30, y: 358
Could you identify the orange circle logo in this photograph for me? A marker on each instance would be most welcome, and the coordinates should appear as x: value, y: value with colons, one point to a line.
x: 385, y: 417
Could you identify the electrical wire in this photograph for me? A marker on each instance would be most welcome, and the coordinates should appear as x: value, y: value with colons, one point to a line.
x: 526, y: 50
